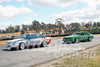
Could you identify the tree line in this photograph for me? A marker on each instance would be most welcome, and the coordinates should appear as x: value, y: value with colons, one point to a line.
x: 37, y: 26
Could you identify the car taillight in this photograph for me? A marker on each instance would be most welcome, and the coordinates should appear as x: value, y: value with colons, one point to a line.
x: 50, y: 40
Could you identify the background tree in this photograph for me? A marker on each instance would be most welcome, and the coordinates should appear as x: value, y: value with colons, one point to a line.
x: 94, y: 24
x: 98, y: 24
x: 17, y: 28
x: 25, y: 27
x: 87, y: 25
x: 44, y: 26
x: 59, y: 24
x: 36, y: 26
x: 90, y: 24
x: 22, y: 31
x: 3, y: 31
x: 83, y: 25
x: 0, y: 31
x: 75, y: 25
x: 10, y: 29
x: 30, y: 27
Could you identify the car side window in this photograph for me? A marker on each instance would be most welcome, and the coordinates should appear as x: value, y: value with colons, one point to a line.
x: 37, y: 35
x: 41, y: 36
x: 82, y: 33
x: 86, y: 33
x: 28, y: 36
x: 33, y: 36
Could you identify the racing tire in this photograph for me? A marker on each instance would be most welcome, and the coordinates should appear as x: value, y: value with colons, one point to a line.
x: 44, y: 44
x: 68, y: 42
x: 21, y: 46
x: 89, y: 39
x: 76, y: 40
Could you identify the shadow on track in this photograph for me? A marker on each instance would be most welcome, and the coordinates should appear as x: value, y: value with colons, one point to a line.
x: 8, y: 49
x: 77, y: 43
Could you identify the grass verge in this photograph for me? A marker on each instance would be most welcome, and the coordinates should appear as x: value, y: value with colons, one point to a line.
x: 86, y: 58
x: 84, y: 61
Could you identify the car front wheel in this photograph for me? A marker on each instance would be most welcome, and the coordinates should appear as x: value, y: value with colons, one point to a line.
x: 76, y: 40
x: 21, y: 46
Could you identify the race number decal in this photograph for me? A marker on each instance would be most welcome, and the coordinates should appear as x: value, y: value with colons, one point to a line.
x: 30, y: 42
x: 38, y: 42
x: 81, y: 37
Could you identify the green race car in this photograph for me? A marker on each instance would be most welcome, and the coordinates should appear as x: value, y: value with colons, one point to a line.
x: 77, y: 37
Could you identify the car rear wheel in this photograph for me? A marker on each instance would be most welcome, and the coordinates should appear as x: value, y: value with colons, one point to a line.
x: 76, y: 40
x: 21, y: 46
x: 44, y: 44
x: 89, y: 39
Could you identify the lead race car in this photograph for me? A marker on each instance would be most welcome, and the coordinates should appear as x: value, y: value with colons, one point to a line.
x: 28, y: 40
x: 78, y: 36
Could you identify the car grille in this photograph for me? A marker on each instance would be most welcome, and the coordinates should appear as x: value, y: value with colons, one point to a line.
x: 9, y: 46
x: 66, y: 38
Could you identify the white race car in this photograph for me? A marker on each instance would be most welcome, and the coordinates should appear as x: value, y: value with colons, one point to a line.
x: 28, y: 40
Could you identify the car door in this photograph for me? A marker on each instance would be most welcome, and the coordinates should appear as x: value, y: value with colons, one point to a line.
x: 82, y: 36
x: 39, y: 39
x: 86, y: 35
x: 32, y: 40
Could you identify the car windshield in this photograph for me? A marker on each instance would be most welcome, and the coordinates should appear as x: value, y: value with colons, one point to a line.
x: 76, y: 34
x: 25, y: 36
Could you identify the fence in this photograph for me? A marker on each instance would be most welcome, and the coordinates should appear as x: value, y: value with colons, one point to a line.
x: 93, y: 31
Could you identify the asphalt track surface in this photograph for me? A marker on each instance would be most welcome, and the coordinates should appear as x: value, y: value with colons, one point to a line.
x: 29, y: 57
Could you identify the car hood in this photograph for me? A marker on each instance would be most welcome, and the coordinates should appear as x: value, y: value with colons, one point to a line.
x: 16, y: 40
x: 71, y: 36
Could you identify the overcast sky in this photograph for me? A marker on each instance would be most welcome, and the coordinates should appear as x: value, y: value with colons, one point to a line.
x: 17, y: 12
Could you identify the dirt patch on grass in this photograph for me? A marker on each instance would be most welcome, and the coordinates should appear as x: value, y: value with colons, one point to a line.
x: 3, y: 42
x: 86, y: 58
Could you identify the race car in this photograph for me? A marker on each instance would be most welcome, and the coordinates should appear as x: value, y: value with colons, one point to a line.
x: 28, y: 40
x: 77, y: 37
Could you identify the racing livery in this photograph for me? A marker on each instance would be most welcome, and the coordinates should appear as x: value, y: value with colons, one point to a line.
x: 78, y: 36
x: 28, y: 40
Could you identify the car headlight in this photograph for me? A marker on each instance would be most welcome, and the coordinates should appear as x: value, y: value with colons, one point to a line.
x: 16, y: 43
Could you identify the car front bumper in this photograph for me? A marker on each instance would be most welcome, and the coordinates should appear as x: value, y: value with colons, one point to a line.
x: 67, y: 40
x: 9, y: 46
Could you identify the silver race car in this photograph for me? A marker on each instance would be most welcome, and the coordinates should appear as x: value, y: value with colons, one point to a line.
x: 28, y: 40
